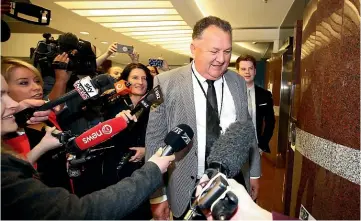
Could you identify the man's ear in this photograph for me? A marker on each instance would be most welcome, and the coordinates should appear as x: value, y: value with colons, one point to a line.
x: 193, y: 49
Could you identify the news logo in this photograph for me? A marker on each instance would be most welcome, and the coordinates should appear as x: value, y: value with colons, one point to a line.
x: 81, y: 90
x: 107, y: 129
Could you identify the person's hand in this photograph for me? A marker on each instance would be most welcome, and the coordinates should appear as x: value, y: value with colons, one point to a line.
x: 254, y: 188
x: 49, y: 142
x: 113, y: 48
x: 202, y: 183
x: 162, y: 162
x: 160, y: 211
x: 61, y: 74
x: 125, y: 114
x: 39, y: 116
x: 247, y: 208
x: 134, y: 56
x: 139, y: 154
x: 165, y: 66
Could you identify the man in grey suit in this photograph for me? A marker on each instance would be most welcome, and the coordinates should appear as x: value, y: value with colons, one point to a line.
x: 186, y: 102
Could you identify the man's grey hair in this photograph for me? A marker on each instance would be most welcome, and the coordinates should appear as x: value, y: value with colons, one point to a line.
x: 205, y: 22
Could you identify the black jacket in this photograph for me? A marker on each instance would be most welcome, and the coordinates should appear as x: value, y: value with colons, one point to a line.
x: 24, y: 196
x: 265, y: 117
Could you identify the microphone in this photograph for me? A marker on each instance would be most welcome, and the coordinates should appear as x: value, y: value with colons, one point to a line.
x: 154, y: 96
x: 177, y: 139
x: 229, y: 153
x: 122, y: 87
x: 98, y: 134
x: 85, y: 88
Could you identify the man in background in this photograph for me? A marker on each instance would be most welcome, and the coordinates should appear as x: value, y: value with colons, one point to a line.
x: 260, y: 102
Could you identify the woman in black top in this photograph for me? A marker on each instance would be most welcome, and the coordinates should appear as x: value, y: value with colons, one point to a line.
x: 130, y: 142
x: 129, y: 145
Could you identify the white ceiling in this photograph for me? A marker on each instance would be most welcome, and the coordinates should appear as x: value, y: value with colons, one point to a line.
x: 247, y: 13
x: 252, y: 20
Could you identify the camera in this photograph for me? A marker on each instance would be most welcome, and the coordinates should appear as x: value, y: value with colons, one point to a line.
x: 82, y: 59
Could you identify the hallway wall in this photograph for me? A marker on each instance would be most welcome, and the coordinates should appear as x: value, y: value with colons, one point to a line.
x: 326, y: 174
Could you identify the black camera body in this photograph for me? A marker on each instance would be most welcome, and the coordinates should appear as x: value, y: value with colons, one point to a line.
x: 82, y: 60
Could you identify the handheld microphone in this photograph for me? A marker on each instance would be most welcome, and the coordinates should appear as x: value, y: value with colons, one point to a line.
x: 177, y: 139
x: 98, y: 134
x: 122, y: 87
x: 154, y: 96
x: 84, y: 88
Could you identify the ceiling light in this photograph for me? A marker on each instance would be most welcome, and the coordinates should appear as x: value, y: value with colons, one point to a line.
x: 161, y: 28
x: 137, y: 18
x: 115, y: 12
x: 142, y: 24
x: 167, y: 39
x: 159, y: 36
x: 84, y: 32
x: 45, y: 18
x: 104, y: 42
x: 148, y: 33
x: 114, y: 4
x: 173, y: 42
x: 254, y: 42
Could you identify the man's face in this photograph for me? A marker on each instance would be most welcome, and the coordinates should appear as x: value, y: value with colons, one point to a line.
x: 212, y: 52
x: 247, y: 71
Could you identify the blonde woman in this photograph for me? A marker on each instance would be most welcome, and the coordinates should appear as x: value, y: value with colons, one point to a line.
x: 25, y: 82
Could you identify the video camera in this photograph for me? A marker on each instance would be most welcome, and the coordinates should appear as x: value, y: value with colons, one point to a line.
x: 82, y: 59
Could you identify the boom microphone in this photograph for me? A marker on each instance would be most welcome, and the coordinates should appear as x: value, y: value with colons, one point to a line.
x: 177, y: 139
x: 229, y: 153
x: 100, y: 133
x: 227, y: 156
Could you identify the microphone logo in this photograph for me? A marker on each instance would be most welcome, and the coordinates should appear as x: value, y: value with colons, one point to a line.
x: 107, y: 129
x: 119, y: 86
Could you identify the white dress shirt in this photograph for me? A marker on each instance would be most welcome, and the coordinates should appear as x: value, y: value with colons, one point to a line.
x: 228, y: 114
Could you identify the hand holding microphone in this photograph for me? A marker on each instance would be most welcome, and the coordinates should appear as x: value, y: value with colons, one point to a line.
x: 127, y: 116
x: 162, y: 162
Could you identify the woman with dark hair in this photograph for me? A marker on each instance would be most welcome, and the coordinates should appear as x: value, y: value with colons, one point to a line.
x: 128, y: 152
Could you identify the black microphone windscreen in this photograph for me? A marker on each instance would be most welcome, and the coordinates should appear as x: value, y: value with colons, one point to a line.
x: 179, y: 137
x: 103, y: 82
x: 233, y: 147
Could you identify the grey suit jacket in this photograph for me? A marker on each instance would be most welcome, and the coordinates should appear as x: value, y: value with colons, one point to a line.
x: 178, y: 108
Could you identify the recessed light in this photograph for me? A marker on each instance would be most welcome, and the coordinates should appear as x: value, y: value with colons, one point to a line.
x: 84, y: 32
x: 104, y: 42
x: 45, y: 18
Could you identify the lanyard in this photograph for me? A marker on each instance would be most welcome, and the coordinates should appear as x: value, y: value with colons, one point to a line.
x: 205, y: 95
